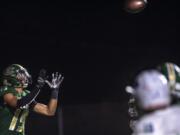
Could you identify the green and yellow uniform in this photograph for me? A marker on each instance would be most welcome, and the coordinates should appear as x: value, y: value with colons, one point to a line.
x: 12, y: 120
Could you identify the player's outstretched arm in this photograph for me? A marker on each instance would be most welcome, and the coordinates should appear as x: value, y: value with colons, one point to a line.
x: 50, y: 108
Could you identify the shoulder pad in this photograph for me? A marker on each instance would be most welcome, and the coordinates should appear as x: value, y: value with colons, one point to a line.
x: 149, y: 125
x: 6, y: 89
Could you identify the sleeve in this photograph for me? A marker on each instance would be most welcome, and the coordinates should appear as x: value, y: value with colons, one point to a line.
x: 29, y: 98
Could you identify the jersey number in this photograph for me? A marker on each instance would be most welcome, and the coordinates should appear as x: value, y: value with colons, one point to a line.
x: 14, y: 121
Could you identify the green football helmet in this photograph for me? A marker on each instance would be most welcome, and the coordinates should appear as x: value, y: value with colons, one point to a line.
x: 172, y: 72
x: 16, y: 76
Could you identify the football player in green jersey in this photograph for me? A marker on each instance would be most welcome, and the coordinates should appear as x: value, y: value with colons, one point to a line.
x: 172, y: 72
x: 16, y: 100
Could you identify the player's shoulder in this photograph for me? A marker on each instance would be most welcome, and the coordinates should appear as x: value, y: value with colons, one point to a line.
x: 156, y: 123
x: 150, y: 123
x: 173, y: 113
x: 175, y: 108
x: 147, y: 124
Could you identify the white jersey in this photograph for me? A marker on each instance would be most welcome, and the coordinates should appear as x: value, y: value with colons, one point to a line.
x: 161, y: 122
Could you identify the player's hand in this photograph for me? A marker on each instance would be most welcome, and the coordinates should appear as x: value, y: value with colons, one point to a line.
x: 56, y: 81
x: 41, y: 78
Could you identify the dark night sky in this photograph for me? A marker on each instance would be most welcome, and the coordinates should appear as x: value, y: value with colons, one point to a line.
x: 95, y: 44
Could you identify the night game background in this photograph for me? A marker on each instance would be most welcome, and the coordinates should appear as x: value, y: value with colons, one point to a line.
x: 97, y: 46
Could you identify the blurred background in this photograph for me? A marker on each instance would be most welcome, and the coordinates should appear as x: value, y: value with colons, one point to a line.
x: 97, y: 46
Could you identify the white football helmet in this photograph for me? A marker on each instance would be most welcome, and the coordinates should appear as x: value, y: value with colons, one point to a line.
x: 152, y: 90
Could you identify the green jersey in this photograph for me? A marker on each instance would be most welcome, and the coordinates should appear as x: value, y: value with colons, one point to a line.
x: 12, y: 121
